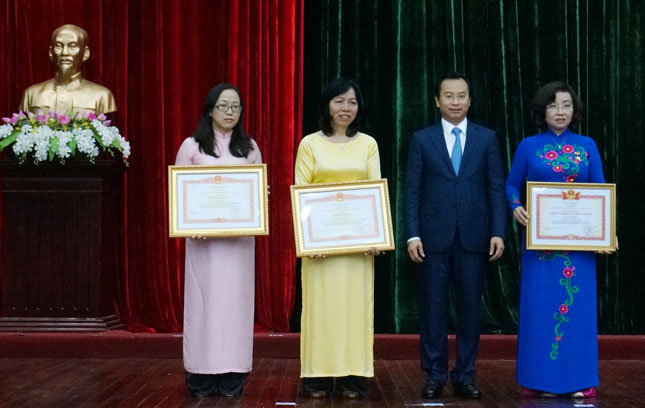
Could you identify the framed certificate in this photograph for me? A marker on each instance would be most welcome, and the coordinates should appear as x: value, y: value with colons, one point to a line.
x: 342, y: 218
x: 571, y: 216
x: 212, y: 201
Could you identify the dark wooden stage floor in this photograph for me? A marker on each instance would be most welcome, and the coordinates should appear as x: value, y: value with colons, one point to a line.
x: 147, y: 382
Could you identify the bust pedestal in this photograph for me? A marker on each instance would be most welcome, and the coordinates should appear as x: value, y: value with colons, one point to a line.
x: 60, y: 259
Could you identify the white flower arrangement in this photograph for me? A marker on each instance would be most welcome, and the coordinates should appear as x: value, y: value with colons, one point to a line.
x: 56, y: 137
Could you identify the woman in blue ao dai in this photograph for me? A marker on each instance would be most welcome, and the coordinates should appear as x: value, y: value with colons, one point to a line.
x: 557, y: 338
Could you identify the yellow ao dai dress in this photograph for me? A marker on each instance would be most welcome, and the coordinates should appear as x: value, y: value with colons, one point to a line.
x: 337, y: 333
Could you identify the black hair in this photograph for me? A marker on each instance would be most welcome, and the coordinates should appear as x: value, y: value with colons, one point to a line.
x: 546, y: 95
x: 452, y: 75
x: 240, y: 145
x: 334, y: 88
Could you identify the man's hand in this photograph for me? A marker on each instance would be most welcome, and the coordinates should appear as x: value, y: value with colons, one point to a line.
x: 496, y: 248
x: 415, y: 250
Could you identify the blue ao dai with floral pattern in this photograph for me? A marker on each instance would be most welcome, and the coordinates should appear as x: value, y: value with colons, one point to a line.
x: 557, y: 339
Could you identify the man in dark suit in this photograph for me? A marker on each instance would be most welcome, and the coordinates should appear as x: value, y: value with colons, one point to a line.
x: 456, y: 219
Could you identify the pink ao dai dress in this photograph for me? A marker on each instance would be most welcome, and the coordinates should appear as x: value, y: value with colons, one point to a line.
x: 220, y: 284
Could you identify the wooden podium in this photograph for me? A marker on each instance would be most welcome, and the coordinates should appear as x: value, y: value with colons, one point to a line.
x: 61, y: 251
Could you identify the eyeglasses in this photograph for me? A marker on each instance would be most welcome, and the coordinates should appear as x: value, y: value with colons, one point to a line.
x: 225, y: 108
x: 566, y: 107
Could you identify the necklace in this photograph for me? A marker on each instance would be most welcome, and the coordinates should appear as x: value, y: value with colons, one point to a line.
x: 559, y: 143
x: 341, y: 147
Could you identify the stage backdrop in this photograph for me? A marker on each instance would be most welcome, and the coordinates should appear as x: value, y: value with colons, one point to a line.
x: 160, y: 57
x: 396, y: 49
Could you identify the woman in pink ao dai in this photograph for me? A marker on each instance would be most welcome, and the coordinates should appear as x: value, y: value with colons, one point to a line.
x: 220, y: 272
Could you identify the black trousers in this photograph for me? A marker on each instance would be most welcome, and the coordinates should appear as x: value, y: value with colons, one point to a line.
x: 229, y: 384
x: 465, y: 269
x: 349, y: 383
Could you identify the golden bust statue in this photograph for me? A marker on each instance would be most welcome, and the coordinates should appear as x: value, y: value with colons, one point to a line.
x: 68, y: 90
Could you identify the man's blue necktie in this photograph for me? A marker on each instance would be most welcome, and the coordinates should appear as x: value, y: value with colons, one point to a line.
x: 455, y: 157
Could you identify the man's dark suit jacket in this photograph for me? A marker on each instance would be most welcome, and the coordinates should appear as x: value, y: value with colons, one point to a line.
x: 438, y: 200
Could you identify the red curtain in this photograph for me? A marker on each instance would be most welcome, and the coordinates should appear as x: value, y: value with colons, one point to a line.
x: 160, y: 58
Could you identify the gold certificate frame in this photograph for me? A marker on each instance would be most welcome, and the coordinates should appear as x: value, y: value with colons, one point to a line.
x: 213, y: 201
x: 571, y: 216
x: 341, y: 218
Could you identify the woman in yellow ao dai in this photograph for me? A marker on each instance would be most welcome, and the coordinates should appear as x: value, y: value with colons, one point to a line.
x: 336, y: 345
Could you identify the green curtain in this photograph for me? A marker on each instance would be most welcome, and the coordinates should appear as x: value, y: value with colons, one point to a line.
x: 396, y: 50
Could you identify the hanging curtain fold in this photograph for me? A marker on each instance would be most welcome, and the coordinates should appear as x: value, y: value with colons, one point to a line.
x: 160, y: 58
x: 397, y: 49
